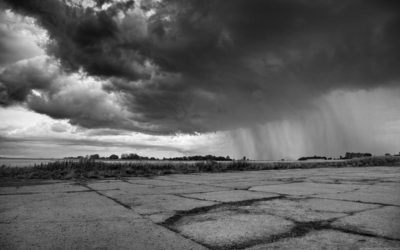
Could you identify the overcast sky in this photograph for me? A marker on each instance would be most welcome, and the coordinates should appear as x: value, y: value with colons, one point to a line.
x: 266, y: 79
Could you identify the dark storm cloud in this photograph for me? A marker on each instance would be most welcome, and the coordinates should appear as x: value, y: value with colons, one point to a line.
x: 18, y: 80
x: 44, y: 88
x: 343, y: 41
x: 205, y: 65
x: 85, y: 38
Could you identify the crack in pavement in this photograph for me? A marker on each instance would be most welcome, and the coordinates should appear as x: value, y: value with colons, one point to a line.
x: 199, y: 210
x: 130, y: 208
x: 362, y: 233
x: 300, y: 228
x: 111, y: 198
x: 197, y: 184
x: 358, y: 201
x: 182, y: 217
x: 194, y: 198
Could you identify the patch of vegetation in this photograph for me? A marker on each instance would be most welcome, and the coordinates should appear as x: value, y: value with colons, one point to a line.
x: 90, y: 168
x: 305, y: 158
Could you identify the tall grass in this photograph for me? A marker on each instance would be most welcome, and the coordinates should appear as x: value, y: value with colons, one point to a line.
x: 86, y: 168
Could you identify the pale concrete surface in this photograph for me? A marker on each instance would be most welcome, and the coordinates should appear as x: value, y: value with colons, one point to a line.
x: 328, y: 208
x: 227, y: 230
x: 330, y: 239
x: 297, y: 210
x: 384, y: 221
x: 230, y: 196
x: 385, y: 193
x: 305, y: 188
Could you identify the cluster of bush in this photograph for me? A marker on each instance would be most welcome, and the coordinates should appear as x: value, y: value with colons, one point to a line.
x: 200, y: 158
x: 347, y: 156
x: 305, y: 158
x: 351, y: 155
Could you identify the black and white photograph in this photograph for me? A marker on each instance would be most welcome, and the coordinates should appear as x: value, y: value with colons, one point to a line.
x: 200, y: 124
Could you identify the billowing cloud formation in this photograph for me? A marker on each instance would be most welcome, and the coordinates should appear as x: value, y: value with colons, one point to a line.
x: 46, y: 89
x: 18, y: 36
x: 29, y: 134
x: 204, y: 65
x: 19, y: 79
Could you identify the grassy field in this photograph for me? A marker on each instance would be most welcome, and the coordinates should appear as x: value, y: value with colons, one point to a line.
x: 24, y: 162
x: 86, y: 169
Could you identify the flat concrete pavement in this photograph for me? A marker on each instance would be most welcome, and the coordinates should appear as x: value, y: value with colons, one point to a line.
x: 327, y: 208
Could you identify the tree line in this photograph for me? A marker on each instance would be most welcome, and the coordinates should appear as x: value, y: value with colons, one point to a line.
x: 133, y: 156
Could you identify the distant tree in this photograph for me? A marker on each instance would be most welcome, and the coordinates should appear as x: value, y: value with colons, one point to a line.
x: 133, y: 156
x: 95, y: 156
x: 315, y: 157
x: 351, y: 155
x: 113, y: 157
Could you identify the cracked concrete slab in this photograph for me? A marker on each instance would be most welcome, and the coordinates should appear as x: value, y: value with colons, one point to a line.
x: 186, y: 189
x: 335, y: 206
x: 142, y: 189
x: 165, y: 203
x: 308, y: 208
x: 385, y: 194
x: 245, y: 184
x: 291, y: 209
x: 117, y: 184
x: 382, y: 221
x: 80, y: 221
x: 206, y: 178
x: 63, y: 207
x: 343, y: 180
x: 305, y: 188
x: 154, y: 182
x: 156, y: 204
x: 159, y: 217
x: 393, y: 179
x: 8, y: 202
x: 230, y: 196
x: 329, y: 239
x: 98, y: 234
x: 226, y: 230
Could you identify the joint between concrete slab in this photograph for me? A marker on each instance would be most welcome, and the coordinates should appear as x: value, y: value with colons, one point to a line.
x: 358, y: 201
x: 113, y: 199
x: 182, y: 213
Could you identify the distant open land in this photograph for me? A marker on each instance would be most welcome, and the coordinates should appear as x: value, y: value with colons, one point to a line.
x: 94, y: 169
